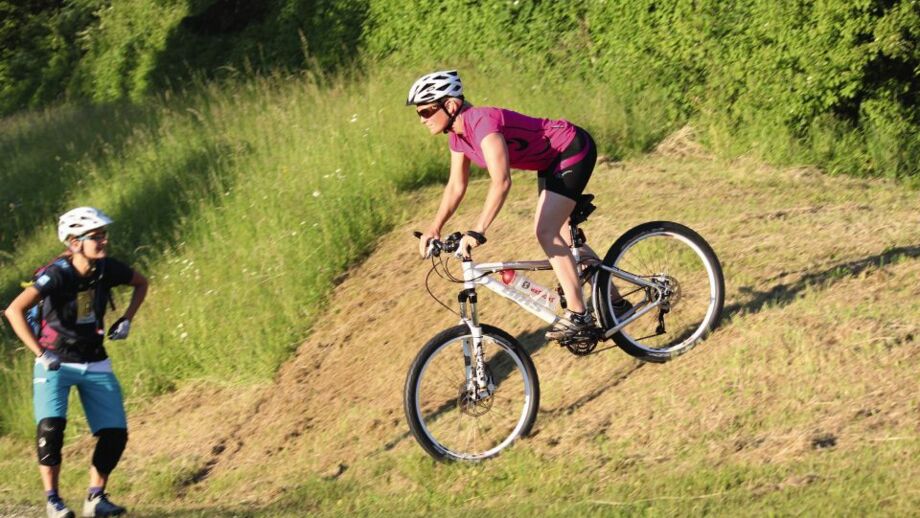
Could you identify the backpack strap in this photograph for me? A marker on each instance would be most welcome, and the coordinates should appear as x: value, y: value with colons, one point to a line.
x: 35, y: 315
x: 65, y: 266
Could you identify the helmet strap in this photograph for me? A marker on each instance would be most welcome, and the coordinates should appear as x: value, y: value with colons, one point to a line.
x: 450, y: 118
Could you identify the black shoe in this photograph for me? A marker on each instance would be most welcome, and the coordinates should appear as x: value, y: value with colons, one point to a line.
x: 581, y: 323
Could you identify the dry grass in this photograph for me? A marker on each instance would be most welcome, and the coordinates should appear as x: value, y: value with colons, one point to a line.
x: 817, y: 353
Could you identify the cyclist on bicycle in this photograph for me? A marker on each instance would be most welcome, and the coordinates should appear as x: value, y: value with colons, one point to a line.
x: 498, y: 139
x: 73, y: 292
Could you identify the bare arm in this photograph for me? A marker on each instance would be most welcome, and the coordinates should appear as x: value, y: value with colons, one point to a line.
x: 137, y: 297
x: 453, y: 191
x: 495, y: 152
x: 16, y: 314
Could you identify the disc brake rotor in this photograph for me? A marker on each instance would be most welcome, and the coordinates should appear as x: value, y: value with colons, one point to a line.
x: 474, y: 406
x: 670, y: 290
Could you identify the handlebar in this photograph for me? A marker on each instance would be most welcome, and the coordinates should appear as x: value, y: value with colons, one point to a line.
x: 436, y: 246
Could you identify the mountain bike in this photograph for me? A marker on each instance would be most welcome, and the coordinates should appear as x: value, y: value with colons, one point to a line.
x: 472, y: 390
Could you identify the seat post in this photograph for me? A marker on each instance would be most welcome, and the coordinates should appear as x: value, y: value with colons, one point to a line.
x: 583, y: 209
x: 577, y: 241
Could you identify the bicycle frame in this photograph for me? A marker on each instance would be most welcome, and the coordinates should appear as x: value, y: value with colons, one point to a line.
x: 481, y: 274
x: 655, y: 279
x: 474, y: 274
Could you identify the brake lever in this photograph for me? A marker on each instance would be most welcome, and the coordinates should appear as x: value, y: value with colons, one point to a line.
x: 434, y: 246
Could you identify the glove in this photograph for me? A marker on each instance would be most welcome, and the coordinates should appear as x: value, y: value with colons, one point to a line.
x: 50, y: 360
x: 120, y: 329
x: 467, y: 243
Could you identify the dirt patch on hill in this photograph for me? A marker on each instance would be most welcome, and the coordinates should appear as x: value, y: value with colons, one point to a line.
x: 782, y: 378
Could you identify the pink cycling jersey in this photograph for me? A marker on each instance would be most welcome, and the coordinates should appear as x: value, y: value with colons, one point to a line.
x: 533, y: 143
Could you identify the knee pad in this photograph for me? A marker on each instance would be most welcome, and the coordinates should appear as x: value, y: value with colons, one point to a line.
x: 109, y: 447
x: 50, y: 440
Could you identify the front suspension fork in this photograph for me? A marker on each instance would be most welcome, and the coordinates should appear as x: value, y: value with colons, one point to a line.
x: 478, y: 383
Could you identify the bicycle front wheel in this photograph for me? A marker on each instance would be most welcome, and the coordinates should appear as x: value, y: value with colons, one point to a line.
x: 689, y: 282
x: 447, y: 419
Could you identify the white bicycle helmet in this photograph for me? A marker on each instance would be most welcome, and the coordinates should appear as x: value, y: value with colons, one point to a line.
x: 81, y: 220
x: 434, y: 86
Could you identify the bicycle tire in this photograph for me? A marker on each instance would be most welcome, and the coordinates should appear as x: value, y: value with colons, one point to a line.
x: 681, y: 245
x: 505, y: 355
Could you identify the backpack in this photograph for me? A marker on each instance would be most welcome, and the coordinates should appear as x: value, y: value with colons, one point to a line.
x: 34, y: 315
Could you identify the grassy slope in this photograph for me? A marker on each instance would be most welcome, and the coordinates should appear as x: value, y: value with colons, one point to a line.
x: 242, y: 202
x: 805, y: 399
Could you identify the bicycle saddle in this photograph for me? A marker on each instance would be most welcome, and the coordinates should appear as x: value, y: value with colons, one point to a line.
x: 583, y: 209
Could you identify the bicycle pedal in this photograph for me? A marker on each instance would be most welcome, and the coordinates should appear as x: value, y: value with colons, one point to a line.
x: 579, y: 346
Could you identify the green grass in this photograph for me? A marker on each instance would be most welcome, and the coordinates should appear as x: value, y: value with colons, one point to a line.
x: 618, y: 481
x: 213, y: 191
x: 817, y: 346
x: 522, y: 483
x: 242, y: 202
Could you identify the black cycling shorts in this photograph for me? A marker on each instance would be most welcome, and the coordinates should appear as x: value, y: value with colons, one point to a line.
x: 570, y: 171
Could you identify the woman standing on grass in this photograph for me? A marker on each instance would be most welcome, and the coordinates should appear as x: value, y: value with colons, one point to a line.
x: 498, y: 139
x: 74, y: 292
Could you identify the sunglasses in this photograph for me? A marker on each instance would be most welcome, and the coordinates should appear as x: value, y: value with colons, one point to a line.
x: 428, y: 111
x: 97, y: 237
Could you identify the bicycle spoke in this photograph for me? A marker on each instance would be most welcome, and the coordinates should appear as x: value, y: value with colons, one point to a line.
x: 671, y: 257
x: 479, y: 427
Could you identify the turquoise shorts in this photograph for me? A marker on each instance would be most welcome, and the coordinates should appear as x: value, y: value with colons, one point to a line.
x: 99, y: 392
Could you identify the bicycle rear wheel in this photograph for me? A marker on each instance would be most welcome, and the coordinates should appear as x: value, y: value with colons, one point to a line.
x: 446, y: 420
x: 684, y: 267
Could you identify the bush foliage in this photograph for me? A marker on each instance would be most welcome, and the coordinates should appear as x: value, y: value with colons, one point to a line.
x: 832, y: 82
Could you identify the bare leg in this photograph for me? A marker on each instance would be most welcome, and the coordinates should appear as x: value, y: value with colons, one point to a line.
x: 97, y: 479
x: 551, y: 218
x: 50, y: 475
